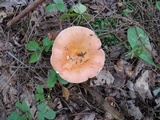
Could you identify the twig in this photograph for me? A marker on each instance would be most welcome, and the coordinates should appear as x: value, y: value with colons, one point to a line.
x: 104, y: 103
x: 24, y: 12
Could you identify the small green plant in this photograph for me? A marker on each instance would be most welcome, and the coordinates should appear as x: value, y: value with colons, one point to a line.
x: 40, y: 94
x: 127, y: 11
x: 26, y: 113
x: 158, y: 5
x: 37, y: 49
x: 128, y: 7
x: 43, y: 112
x: 53, y: 78
x: 77, y: 11
x: 102, y: 29
x: 58, y: 4
x: 140, y: 44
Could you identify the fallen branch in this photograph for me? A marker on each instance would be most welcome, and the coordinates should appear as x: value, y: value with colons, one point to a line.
x: 104, y: 103
x: 24, y: 12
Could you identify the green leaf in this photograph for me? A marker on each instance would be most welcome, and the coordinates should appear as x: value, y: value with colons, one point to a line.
x: 42, y: 107
x: 51, y: 79
x: 39, y: 89
x: 50, y: 8
x: 71, y: 10
x: 68, y: 15
x: 158, y: 5
x: 137, y: 53
x: 79, y: 8
x: 50, y: 114
x: 47, y: 48
x: 39, y: 97
x: 13, y: 116
x: 23, y: 117
x: 61, y: 80
x: 138, y: 40
x: 47, y: 44
x: 42, y: 98
x: 147, y: 57
x: 33, y: 46
x: 19, y: 105
x: 127, y: 11
x: 25, y: 107
x: 40, y: 116
x: 61, y: 7
x: 22, y: 106
x: 86, y: 16
x: 35, y: 57
x: 58, y: 1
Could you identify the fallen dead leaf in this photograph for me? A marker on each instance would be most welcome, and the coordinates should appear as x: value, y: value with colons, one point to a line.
x: 157, y: 100
x: 65, y: 92
x: 141, y: 85
x: 120, y: 79
x: 90, y: 116
x: 61, y: 117
x: 28, y: 97
x: 52, y: 35
x: 10, y: 4
x: 131, y: 91
x: 2, y: 16
x: 3, y: 115
x: 9, y: 93
x: 103, y: 78
x: 134, y: 111
x: 123, y: 65
x: 56, y: 103
x: 140, y: 65
x: 115, y: 51
x: 108, y: 116
x: 85, y: 115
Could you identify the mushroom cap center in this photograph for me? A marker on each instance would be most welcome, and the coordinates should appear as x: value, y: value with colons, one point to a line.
x: 76, y: 56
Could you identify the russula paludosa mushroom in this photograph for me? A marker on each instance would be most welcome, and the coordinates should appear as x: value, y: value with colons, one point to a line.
x: 77, y: 54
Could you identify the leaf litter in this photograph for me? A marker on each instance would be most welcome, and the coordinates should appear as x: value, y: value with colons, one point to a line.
x: 131, y: 86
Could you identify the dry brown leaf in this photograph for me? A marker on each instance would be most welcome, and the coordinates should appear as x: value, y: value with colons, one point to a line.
x: 141, y: 85
x: 9, y: 93
x: 86, y: 114
x: 157, y: 100
x: 115, y: 51
x: 123, y: 65
x: 10, y: 4
x: 52, y: 35
x: 131, y: 91
x: 56, y: 103
x: 65, y: 92
x: 140, y: 65
x: 61, y: 117
x: 103, y: 78
x: 28, y: 97
x: 89, y: 116
x: 108, y: 116
x: 2, y: 16
x: 3, y: 115
x: 134, y: 111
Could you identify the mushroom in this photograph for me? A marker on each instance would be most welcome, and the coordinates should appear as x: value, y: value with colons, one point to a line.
x: 77, y: 54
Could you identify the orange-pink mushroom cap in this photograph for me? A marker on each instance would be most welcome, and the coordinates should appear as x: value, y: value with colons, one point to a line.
x: 77, y: 54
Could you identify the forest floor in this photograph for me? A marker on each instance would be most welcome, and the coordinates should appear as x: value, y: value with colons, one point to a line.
x: 128, y: 86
